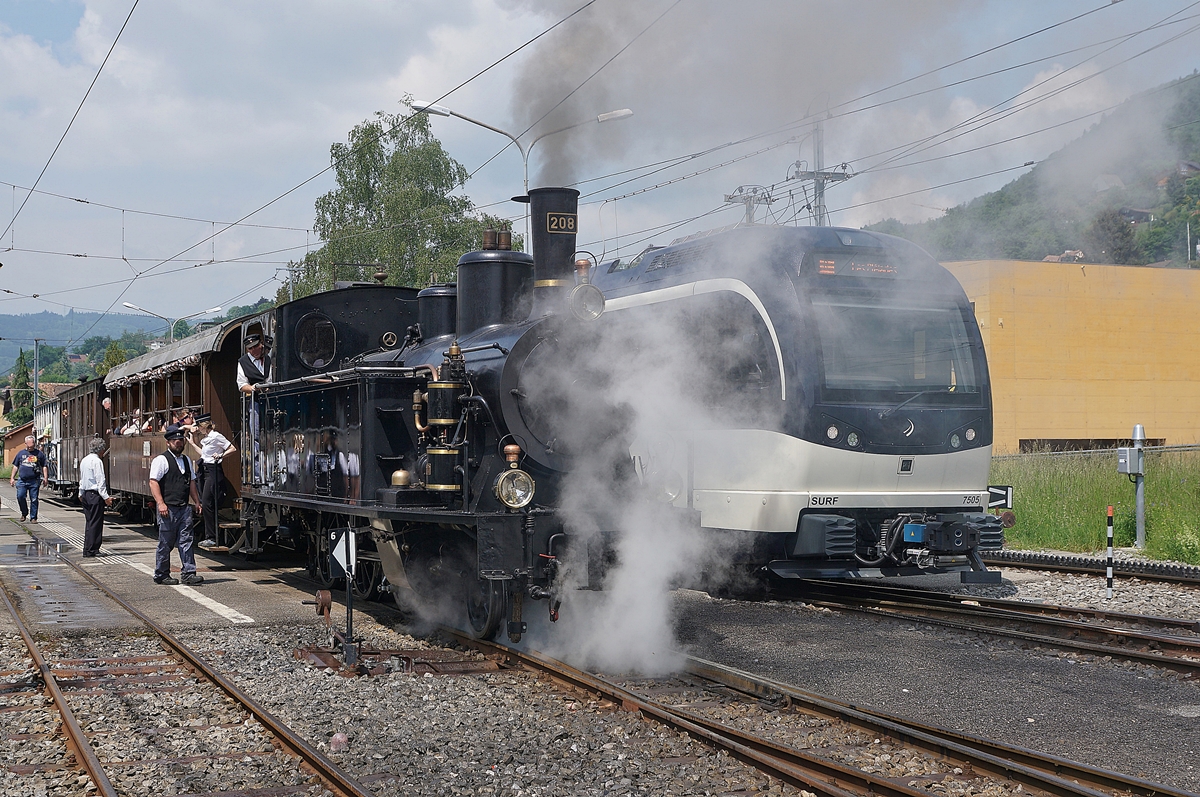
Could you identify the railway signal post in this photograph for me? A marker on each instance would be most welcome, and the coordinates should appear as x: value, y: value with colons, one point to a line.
x: 342, y: 552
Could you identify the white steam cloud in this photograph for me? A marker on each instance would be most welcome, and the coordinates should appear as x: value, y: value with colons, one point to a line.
x: 706, y: 72
x: 655, y: 376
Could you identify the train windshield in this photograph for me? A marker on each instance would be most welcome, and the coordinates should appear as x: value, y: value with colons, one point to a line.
x: 877, y: 349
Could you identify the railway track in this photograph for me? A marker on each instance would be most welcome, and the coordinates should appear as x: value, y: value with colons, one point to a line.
x: 1160, y: 641
x: 701, y: 702
x: 110, y: 692
x: 1096, y: 566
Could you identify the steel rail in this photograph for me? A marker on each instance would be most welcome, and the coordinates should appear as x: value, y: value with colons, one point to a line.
x: 1024, y: 607
x: 333, y: 777
x: 832, y: 780
x: 934, y: 739
x: 824, y: 776
x: 76, y: 739
x: 1123, y: 568
x: 1190, y: 667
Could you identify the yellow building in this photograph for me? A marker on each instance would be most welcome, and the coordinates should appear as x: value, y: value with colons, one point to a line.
x: 1081, y: 352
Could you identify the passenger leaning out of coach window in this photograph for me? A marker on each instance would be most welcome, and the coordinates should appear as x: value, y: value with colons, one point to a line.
x: 134, y: 426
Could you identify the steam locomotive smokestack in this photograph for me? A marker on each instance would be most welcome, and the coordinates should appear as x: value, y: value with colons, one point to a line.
x: 554, y: 213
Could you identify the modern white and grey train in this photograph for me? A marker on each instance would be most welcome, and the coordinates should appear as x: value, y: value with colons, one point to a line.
x: 851, y: 428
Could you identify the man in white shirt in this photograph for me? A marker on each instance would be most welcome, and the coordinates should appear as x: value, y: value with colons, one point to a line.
x: 214, y: 447
x: 172, y: 483
x: 93, y: 494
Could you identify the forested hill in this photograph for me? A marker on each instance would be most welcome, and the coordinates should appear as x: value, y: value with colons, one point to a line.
x: 1122, y: 193
x: 55, y: 329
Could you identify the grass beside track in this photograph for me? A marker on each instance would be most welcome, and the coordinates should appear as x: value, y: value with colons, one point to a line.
x: 1061, y: 500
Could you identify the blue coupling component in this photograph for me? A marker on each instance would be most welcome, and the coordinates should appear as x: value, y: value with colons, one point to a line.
x: 914, y: 532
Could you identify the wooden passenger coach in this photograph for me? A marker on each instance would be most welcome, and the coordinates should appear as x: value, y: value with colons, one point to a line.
x: 198, y: 373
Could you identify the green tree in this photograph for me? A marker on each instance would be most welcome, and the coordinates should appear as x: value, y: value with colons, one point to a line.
x: 133, y: 343
x: 22, y: 394
x: 393, y: 205
x: 94, y: 346
x: 240, y: 310
x: 1110, y: 239
x: 114, y: 355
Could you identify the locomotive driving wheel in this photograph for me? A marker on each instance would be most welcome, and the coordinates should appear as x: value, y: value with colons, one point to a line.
x: 319, y: 566
x: 368, y: 573
x: 485, y: 605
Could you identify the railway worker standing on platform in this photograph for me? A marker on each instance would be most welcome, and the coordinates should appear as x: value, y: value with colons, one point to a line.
x: 93, y: 494
x: 28, y: 476
x: 213, y: 448
x: 254, y: 368
x: 173, y: 483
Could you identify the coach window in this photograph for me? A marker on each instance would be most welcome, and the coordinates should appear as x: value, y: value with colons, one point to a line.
x: 193, y: 393
x: 316, y: 341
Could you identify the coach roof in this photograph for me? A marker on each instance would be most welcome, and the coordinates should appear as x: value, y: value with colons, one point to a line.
x: 171, y: 357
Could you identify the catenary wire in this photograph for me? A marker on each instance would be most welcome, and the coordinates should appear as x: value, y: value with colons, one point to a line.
x: 74, y: 116
x: 990, y: 49
x: 295, y: 188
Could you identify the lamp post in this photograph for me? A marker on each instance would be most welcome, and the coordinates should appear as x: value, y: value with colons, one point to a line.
x: 171, y: 324
x: 438, y: 110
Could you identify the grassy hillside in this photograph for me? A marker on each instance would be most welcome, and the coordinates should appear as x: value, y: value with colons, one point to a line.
x: 1075, y: 198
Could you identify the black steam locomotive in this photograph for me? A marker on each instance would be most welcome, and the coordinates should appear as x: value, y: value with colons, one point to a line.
x: 807, y: 402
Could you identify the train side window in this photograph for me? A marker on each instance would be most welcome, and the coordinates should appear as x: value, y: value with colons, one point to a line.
x: 316, y: 341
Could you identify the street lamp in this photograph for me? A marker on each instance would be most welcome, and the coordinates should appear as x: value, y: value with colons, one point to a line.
x: 171, y: 324
x: 438, y: 110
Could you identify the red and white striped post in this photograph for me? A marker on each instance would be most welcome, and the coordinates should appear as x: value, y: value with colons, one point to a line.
x: 1108, y: 594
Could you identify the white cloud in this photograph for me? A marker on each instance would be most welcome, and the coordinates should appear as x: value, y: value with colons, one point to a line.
x: 211, y: 109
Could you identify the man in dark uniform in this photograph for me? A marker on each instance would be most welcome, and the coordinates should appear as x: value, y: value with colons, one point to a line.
x: 173, y: 483
x: 255, y: 365
x: 254, y: 368
x: 28, y: 476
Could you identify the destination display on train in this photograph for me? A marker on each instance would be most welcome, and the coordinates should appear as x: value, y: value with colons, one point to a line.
x: 853, y: 265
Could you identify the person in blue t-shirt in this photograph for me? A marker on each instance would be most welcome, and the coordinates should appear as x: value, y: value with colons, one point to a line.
x: 28, y: 476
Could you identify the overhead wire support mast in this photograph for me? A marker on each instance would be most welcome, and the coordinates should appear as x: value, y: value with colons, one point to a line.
x: 750, y: 196
x: 820, y: 177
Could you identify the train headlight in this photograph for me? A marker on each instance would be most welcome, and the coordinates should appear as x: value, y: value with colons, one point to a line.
x: 514, y: 488
x: 586, y: 302
x: 970, y: 435
x: 955, y: 441
x: 852, y: 439
x: 832, y: 433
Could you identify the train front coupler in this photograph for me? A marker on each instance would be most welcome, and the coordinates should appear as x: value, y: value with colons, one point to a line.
x: 952, y: 535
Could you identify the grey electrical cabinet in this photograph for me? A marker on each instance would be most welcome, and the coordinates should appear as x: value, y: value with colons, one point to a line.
x: 1129, y: 460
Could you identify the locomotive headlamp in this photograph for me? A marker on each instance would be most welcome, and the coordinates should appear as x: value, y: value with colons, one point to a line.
x: 586, y: 302
x: 832, y: 433
x: 514, y: 488
x: 970, y: 435
x: 852, y: 439
x: 955, y: 441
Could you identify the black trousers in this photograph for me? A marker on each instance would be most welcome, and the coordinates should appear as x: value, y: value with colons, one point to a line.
x: 93, y: 529
x: 211, y: 482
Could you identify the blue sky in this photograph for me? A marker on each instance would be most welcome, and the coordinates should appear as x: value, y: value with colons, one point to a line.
x: 210, y: 110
